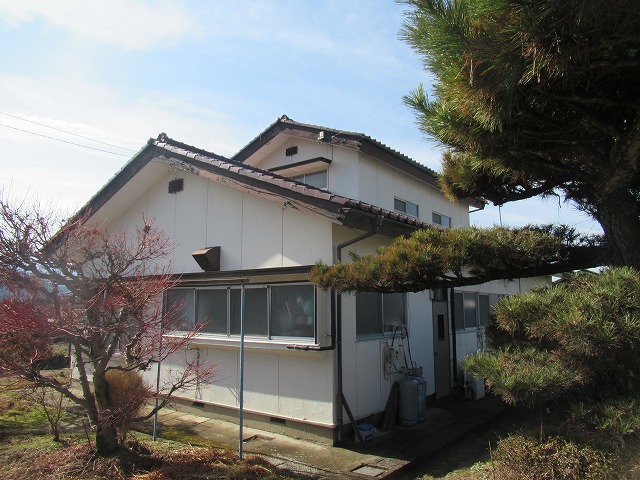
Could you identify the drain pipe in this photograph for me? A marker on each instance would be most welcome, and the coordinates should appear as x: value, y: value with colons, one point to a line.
x: 454, y: 327
x: 338, y: 322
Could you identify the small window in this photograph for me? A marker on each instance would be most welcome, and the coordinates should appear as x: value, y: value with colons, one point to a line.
x: 176, y: 185
x: 441, y: 330
x: 484, y: 310
x: 316, y: 179
x: 458, y: 311
x: 377, y: 313
x: 441, y: 220
x: 404, y: 206
x: 470, y: 310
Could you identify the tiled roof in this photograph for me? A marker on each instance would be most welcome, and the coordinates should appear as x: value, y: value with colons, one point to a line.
x: 265, y: 182
x: 338, y: 137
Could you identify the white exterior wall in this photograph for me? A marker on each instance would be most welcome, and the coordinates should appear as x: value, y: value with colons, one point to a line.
x: 252, y: 232
x: 366, y: 381
x: 380, y: 183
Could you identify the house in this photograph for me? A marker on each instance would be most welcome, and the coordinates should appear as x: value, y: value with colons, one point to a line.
x: 257, y: 222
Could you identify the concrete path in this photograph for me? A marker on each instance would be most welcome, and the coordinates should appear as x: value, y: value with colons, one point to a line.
x: 390, y: 455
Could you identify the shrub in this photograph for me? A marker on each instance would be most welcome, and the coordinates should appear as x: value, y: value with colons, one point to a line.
x: 127, y: 394
x: 523, y: 457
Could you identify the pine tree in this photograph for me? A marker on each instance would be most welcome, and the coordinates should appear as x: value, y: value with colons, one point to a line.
x: 536, y: 97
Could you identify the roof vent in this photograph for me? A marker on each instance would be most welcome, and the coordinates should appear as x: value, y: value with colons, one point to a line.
x: 291, y: 151
x: 176, y: 185
x: 208, y: 258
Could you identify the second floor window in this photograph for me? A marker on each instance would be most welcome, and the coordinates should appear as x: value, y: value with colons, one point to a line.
x: 441, y: 220
x: 316, y: 179
x: 405, y: 206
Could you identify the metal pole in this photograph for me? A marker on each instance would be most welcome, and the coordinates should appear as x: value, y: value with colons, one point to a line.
x: 154, y: 434
x: 242, y: 298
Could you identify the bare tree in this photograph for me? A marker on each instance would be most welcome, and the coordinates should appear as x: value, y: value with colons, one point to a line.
x: 100, y: 291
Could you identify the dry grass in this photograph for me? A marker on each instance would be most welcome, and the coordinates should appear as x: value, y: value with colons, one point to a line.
x: 27, y: 452
x: 26, y: 458
x: 470, y: 458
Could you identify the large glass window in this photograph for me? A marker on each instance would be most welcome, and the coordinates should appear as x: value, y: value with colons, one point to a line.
x: 292, y: 311
x: 270, y: 310
x: 212, y: 310
x: 378, y: 313
x: 255, y: 311
x: 180, y: 309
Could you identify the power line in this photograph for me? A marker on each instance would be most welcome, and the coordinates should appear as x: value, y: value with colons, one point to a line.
x: 64, y: 141
x: 65, y: 131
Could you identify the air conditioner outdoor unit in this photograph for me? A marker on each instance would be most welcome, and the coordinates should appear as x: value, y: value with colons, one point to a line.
x: 473, y: 387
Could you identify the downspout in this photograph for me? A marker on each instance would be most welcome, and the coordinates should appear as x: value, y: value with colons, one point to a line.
x: 337, y: 313
x: 454, y: 348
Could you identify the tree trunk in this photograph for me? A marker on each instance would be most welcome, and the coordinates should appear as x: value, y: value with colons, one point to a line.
x: 106, y: 433
x: 106, y: 440
x: 619, y: 216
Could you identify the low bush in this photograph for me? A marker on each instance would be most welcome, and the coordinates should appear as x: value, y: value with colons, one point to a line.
x: 128, y: 393
x: 523, y: 457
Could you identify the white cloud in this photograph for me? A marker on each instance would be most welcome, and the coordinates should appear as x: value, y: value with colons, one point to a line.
x: 129, y: 24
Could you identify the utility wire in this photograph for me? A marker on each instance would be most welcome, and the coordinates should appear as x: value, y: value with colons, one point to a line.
x: 65, y: 131
x: 64, y: 141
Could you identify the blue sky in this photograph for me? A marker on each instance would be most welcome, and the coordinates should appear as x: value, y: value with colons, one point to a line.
x: 210, y: 74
